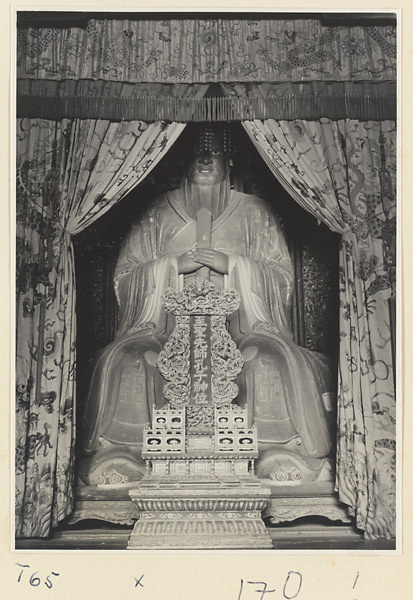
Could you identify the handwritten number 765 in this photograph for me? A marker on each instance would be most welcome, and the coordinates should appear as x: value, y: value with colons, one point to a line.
x: 36, y: 581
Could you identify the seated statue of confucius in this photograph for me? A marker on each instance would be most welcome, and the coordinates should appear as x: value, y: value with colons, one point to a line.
x: 281, y: 384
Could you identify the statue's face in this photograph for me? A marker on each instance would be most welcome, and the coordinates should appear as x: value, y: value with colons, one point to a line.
x: 207, y: 167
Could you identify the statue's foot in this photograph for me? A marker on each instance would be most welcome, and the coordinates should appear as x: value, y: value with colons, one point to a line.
x: 112, y: 465
x: 283, y: 467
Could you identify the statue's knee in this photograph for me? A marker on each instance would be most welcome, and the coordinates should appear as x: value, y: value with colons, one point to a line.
x: 146, y: 350
x: 261, y: 352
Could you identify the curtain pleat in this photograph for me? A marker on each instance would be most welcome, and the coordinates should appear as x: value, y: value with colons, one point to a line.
x: 69, y: 174
x: 344, y: 173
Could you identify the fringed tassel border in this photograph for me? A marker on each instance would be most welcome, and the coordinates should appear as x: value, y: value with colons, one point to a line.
x: 151, y: 108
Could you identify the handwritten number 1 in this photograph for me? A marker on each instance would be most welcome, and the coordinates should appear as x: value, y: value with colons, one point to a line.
x: 21, y: 572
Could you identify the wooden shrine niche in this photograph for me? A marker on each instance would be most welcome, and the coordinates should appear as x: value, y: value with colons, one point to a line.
x: 314, y: 314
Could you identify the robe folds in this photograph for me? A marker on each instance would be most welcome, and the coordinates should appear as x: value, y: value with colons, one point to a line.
x: 281, y: 383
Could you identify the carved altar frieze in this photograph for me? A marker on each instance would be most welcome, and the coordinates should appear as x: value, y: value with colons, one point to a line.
x: 201, y: 515
x: 201, y: 524
x: 188, y: 504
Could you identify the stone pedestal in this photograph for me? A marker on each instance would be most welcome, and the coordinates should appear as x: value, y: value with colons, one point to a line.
x: 200, y: 490
x: 200, y: 518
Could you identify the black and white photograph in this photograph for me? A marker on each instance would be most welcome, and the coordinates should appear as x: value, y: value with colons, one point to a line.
x: 206, y: 320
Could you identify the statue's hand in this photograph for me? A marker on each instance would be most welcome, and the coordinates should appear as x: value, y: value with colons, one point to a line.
x: 187, y: 264
x: 214, y: 259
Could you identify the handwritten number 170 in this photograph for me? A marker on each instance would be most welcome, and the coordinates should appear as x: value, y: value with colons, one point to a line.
x: 34, y: 580
x: 291, y: 589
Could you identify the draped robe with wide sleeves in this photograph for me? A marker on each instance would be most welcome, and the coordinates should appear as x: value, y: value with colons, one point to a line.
x: 281, y: 383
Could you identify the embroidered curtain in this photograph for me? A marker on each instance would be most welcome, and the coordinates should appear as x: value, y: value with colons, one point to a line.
x: 203, y: 51
x: 68, y: 174
x: 344, y: 173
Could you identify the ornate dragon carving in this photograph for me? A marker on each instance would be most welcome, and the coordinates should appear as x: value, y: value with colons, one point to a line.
x: 174, y: 361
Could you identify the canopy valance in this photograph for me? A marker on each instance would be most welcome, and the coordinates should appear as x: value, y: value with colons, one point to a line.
x: 203, y: 51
